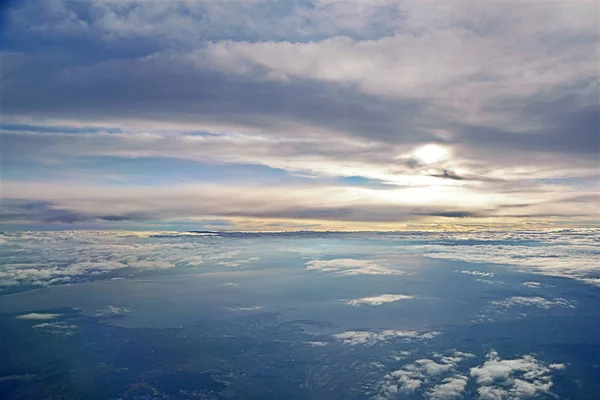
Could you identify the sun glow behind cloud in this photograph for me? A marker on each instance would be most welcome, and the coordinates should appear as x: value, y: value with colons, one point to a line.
x: 334, y: 115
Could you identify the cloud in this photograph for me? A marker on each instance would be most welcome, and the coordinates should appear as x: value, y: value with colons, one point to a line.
x: 318, y: 344
x: 378, y: 300
x: 318, y: 91
x: 477, y: 273
x: 533, y: 285
x: 450, y: 388
x: 539, y: 302
x: 441, y: 377
x: 36, y: 316
x: 350, y: 266
x: 448, y: 378
x: 112, y: 311
x: 511, y: 379
x: 369, y: 338
x: 46, y: 258
x: 239, y: 308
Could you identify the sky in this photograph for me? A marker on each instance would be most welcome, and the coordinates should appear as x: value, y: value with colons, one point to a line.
x: 299, y: 115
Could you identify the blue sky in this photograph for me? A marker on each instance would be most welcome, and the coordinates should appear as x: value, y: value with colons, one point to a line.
x: 283, y: 115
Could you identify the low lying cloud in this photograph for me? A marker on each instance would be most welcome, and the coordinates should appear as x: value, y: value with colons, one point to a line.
x: 57, y: 328
x: 351, y: 266
x: 239, y: 308
x: 511, y: 379
x: 448, y: 377
x: 477, y: 273
x: 36, y: 316
x: 441, y: 376
x: 369, y: 338
x: 539, y: 302
x: 378, y: 300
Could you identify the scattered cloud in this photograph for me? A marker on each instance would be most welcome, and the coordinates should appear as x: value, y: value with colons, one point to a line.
x: 451, y: 378
x: 369, y: 338
x: 112, y: 310
x: 511, y: 379
x: 539, y: 302
x: 57, y: 328
x: 533, y: 285
x: 440, y: 376
x: 477, y: 273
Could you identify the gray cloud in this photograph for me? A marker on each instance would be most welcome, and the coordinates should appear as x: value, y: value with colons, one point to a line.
x: 320, y: 89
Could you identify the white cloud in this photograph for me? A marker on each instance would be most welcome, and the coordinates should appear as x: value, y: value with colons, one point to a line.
x: 511, y: 379
x: 533, y: 285
x: 442, y: 377
x: 378, y: 300
x: 239, y: 308
x: 450, y: 388
x: 539, y: 302
x: 350, y: 266
x: 318, y: 343
x: 43, y: 258
x: 369, y: 338
x: 38, y: 316
x: 446, y: 379
x: 113, y: 310
x: 477, y: 273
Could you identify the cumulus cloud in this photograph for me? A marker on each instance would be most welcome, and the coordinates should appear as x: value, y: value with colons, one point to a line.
x: 369, y: 338
x: 378, y: 300
x: 533, y: 285
x: 441, y: 377
x: 449, y: 378
x: 450, y: 388
x: 511, y: 379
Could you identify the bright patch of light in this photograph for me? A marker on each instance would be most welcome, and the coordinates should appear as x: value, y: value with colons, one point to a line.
x: 431, y: 153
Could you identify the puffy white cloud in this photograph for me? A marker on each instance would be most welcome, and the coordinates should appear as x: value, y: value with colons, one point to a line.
x: 450, y: 388
x: 511, y: 379
x: 378, y: 300
x: 533, y: 285
x: 442, y: 377
x: 447, y: 378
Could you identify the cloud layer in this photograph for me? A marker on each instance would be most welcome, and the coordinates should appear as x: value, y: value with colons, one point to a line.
x: 299, y: 115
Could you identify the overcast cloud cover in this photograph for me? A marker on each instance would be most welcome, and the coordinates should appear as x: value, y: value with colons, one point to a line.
x: 279, y: 115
